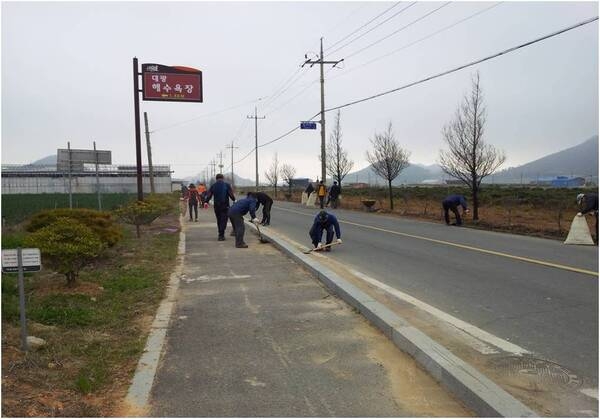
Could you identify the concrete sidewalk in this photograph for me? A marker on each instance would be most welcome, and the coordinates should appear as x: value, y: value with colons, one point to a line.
x: 255, y: 334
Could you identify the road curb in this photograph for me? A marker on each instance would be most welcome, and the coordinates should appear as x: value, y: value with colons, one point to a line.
x: 139, y: 390
x: 477, y: 391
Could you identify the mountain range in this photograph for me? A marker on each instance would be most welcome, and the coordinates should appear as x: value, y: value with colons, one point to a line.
x: 580, y: 160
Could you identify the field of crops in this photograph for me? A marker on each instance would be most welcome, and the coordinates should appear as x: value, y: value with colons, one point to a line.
x: 16, y: 208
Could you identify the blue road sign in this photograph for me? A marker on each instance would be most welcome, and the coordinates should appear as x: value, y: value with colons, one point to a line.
x: 308, y: 125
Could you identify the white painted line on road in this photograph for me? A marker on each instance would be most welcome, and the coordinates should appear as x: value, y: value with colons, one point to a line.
x: 208, y: 278
x: 590, y: 392
x: 463, y: 246
x: 470, y: 329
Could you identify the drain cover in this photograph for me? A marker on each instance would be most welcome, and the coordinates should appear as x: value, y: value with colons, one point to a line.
x: 536, y: 374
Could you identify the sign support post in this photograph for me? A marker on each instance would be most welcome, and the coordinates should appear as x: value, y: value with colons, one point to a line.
x: 19, y: 261
x: 138, y: 137
x: 70, y: 169
x: 22, y: 301
x: 97, y: 179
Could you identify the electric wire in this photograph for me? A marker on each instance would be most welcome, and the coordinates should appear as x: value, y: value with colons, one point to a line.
x: 205, y: 115
x: 272, y: 96
x: 372, y: 29
x: 496, y: 55
x: 292, y: 98
x: 398, y: 30
x: 300, y: 76
x: 364, y: 25
x: 417, y: 41
x: 444, y: 73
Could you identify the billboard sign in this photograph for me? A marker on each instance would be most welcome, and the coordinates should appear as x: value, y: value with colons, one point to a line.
x: 83, y: 156
x: 171, y: 84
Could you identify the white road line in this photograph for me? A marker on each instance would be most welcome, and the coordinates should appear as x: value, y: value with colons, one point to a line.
x: 209, y: 278
x: 590, y: 392
x: 459, y: 324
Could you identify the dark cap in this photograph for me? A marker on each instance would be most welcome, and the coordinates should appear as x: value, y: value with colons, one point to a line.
x: 323, y: 216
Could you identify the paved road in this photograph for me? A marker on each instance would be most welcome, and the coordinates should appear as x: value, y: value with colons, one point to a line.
x: 550, y: 310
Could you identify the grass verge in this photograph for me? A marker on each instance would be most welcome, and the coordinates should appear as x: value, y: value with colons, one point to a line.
x: 95, y: 332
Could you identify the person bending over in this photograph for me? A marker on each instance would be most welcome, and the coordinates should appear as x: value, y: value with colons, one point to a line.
x: 328, y: 223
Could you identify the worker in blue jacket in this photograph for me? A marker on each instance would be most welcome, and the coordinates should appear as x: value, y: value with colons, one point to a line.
x: 325, y: 222
x: 221, y: 192
x: 452, y: 203
x: 236, y: 214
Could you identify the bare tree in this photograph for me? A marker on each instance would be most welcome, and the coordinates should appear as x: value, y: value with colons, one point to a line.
x: 272, y: 174
x: 338, y: 164
x: 468, y: 157
x: 287, y: 174
x: 388, y: 159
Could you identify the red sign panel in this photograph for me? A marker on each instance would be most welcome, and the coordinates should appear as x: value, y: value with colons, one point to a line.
x: 171, y: 84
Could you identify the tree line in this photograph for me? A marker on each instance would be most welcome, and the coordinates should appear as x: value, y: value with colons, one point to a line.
x: 467, y: 158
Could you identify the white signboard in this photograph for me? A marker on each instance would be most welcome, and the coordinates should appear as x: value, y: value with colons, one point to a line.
x: 31, y: 260
x: 83, y: 156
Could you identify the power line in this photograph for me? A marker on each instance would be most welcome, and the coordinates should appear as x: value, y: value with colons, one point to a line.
x: 286, y: 89
x: 205, y: 115
x: 507, y: 51
x: 294, y: 97
x: 272, y: 96
x: 418, y: 40
x: 373, y: 28
x: 366, y: 24
x: 398, y: 30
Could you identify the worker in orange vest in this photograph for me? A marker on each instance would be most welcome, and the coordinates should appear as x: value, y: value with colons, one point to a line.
x: 321, y: 194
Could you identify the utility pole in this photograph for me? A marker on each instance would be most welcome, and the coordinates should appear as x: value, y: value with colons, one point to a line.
x: 213, y: 163
x: 321, y: 62
x: 256, y: 118
x: 149, y: 148
x: 232, y: 176
x: 220, y: 162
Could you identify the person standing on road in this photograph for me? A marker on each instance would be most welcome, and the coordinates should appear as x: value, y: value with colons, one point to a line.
x: 183, y: 200
x: 221, y: 192
x: 267, y: 202
x: 202, y: 193
x: 452, y: 202
x: 588, y: 203
x: 321, y: 194
x: 236, y: 215
x: 309, y: 189
x: 334, y: 194
x: 193, y: 199
x: 324, y: 222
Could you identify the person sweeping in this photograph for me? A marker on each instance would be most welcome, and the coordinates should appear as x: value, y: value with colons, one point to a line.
x: 328, y: 223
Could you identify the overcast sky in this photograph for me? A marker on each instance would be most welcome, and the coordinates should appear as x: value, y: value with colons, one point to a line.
x: 67, y: 76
